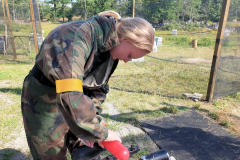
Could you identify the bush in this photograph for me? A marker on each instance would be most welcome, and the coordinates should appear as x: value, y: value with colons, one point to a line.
x: 171, y: 27
x: 178, y: 40
x: 2, y: 27
x: 205, y: 42
x: 202, y: 26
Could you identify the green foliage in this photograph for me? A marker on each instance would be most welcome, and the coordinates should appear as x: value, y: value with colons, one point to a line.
x: 213, y: 115
x: 51, y: 18
x: 237, y: 96
x: 17, y: 27
x: 141, y: 153
x: 197, y: 105
x: 182, y: 41
x: 205, y: 42
x: 170, y: 27
x: 225, y: 123
x: 171, y: 109
x: 155, y: 12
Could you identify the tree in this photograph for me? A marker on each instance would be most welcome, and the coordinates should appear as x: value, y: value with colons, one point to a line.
x: 64, y: 4
x: 158, y: 11
x: 210, y: 10
x: 234, y: 12
x: 192, y: 9
x: 53, y: 3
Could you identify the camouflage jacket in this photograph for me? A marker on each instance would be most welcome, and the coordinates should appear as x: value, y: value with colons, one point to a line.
x: 80, y: 50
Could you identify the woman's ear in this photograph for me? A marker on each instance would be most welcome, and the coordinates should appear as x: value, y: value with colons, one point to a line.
x: 122, y: 39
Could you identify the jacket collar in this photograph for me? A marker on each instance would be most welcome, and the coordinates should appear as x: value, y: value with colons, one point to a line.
x: 105, y: 31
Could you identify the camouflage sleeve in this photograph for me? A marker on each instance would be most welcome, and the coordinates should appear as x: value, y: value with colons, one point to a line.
x: 98, y: 96
x: 77, y: 108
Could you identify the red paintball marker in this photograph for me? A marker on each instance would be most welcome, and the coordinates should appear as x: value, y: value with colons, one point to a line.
x: 117, y: 149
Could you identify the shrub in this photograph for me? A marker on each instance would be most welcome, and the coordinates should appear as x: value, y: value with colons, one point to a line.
x: 202, y: 26
x: 2, y: 27
x: 170, y: 27
x: 205, y: 42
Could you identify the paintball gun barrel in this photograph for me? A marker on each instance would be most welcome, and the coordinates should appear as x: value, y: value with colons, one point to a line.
x: 159, y: 155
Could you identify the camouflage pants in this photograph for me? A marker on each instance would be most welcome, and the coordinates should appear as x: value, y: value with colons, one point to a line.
x: 44, y: 124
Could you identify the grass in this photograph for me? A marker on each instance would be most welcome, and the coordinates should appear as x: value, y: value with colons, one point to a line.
x: 149, y: 89
x: 48, y: 27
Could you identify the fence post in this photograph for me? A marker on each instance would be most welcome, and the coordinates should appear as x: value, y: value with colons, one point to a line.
x: 5, y: 21
x: 11, y: 33
x: 194, y: 43
x: 34, y: 27
x: 217, y: 50
x: 40, y: 23
x: 133, y: 8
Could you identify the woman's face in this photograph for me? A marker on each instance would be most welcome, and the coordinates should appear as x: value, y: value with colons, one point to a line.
x: 126, y: 51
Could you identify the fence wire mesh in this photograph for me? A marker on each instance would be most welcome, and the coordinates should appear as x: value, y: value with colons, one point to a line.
x: 21, y: 23
x: 228, y: 74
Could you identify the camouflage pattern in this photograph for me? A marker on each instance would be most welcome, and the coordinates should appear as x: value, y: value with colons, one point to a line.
x: 78, y: 50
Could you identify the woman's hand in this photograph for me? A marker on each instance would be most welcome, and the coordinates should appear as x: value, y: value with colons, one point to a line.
x: 87, y: 143
x: 111, y: 137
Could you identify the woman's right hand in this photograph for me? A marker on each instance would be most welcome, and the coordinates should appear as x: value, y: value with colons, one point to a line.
x: 111, y: 137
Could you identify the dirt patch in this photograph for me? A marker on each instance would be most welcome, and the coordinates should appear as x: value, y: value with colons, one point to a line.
x: 2, y: 61
x: 5, y: 83
x: 196, y: 60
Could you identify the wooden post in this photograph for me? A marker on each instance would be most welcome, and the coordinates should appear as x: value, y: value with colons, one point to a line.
x: 133, y: 8
x: 34, y: 27
x: 11, y: 33
x: 217, y: 50
x: 194, y: 43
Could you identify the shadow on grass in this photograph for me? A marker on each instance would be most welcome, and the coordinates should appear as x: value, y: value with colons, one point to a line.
x: 10, y: 153
x: 178, y: 62
x: 149, y: 93
x: 19, y: 62
x: 135, y: 115
x: 11, y: 90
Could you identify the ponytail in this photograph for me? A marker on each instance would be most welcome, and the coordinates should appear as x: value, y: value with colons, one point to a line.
x: 110, y: 13
x: 137, y: 31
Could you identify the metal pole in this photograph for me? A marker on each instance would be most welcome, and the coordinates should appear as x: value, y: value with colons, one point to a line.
x: 40, y: 23
x: 85, y: 11
x: 217, y: 50
x: 5, y: 20
x: 33, y: 25
x: 29, y: 42
x: 11, y: 33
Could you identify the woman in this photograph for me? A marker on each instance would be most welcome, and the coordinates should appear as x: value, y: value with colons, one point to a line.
x: 63, y: 93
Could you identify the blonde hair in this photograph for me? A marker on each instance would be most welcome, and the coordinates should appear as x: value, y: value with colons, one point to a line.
x: 137, y: 31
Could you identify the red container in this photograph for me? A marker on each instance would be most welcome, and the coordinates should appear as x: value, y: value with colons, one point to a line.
x: 117, y: 149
